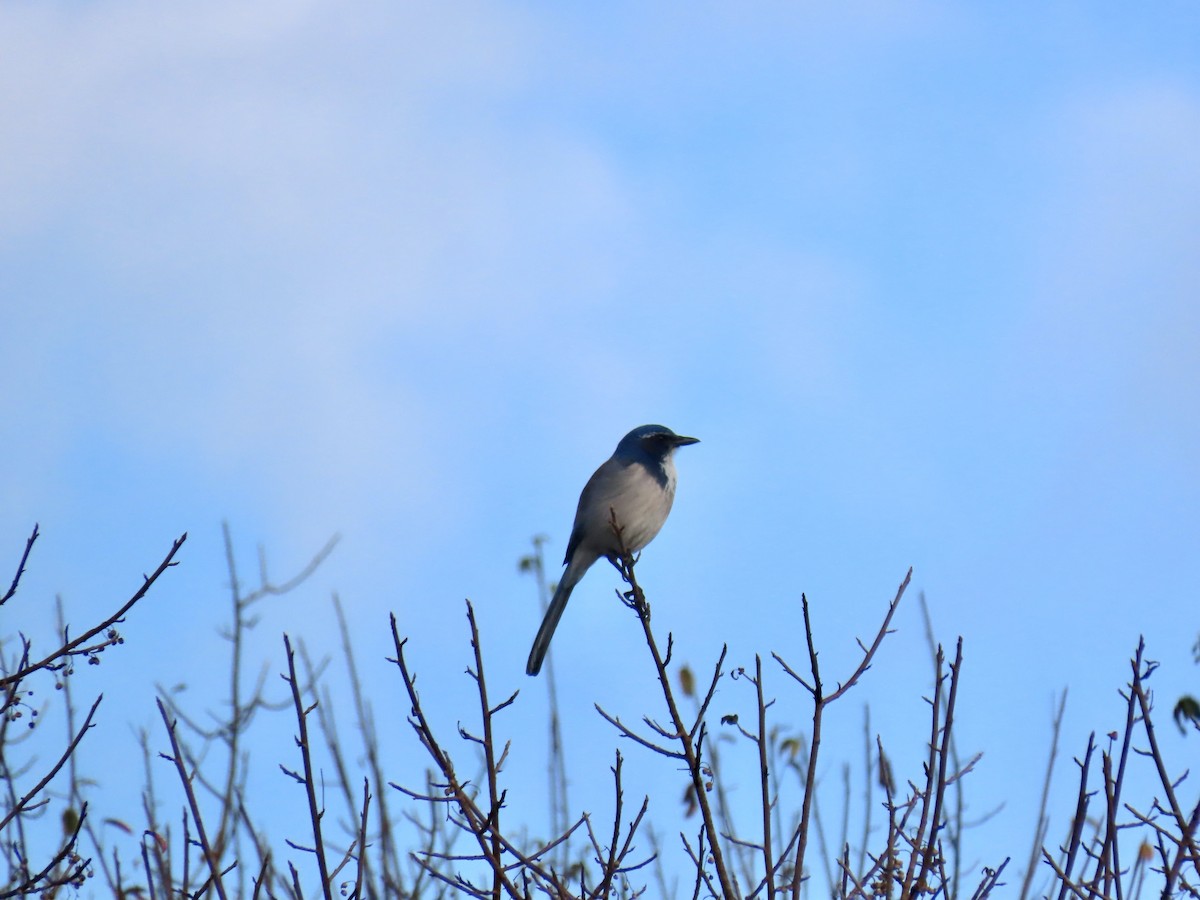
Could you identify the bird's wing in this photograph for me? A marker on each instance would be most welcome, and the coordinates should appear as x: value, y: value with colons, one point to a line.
x: 573, y: 543
x: 599, y: 484
x: 599, y: 496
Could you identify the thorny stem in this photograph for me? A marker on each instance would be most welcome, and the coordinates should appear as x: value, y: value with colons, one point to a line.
x: 389, y: 870
x: 1077, y: 823
x: 810, y: 779
x: 557, y: 770
x: 764, y: 779
x: 820, y: 701
x: 236, y: 713
x: 206, y: 848
x: 489, y: 751
x: 1168, y: 787
x: 1039, y: 836
x: 930, y: 851
x: 478, y: 824
x: 362, y: 841
x: 315, y: 813
x: 691, y: 749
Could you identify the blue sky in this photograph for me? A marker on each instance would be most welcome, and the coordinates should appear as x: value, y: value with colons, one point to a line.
x: 921, y: 276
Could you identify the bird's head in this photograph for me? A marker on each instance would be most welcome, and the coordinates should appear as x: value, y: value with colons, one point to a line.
x: 653, y: 441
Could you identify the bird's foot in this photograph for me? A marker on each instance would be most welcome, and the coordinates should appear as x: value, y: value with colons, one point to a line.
x: 636, y: 600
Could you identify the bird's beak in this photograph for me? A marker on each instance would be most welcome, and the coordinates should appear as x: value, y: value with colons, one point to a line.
x: 681, y: 441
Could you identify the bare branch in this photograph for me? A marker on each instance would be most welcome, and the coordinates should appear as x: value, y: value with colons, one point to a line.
x: 74, y: 646
x: 12, y: 589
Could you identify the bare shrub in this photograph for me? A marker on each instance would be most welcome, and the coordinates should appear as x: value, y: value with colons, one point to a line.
x: 456, y: 834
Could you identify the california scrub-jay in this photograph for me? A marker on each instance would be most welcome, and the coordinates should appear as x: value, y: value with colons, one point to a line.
x: 637, y: 485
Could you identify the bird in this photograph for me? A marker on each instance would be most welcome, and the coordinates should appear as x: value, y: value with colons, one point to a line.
x: 637, y: 485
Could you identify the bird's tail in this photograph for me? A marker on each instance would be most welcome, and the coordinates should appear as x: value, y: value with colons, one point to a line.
x: 554, y: 612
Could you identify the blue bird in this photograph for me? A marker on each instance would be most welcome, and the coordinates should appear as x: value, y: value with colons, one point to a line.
x: 637, y: 483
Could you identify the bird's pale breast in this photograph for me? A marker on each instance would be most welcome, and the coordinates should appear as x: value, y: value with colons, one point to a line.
x: 641, y: 502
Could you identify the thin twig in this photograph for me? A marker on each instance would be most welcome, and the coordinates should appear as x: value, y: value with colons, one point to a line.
x: 764, y: 777
x: 691, y: 748
x: 315, y: 813
x: 1039, y: 837
x: 70, y: 647
x: 37, y: 788
x: 206, y: 848
x: 489, y: 754
x: 12, y: 589
x: 40, y: 883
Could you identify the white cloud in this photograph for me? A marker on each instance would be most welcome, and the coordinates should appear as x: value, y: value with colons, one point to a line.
x: 282, y: 241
